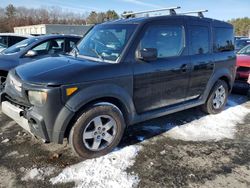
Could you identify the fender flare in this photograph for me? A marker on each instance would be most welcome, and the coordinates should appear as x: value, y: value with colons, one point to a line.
x: 215, y: 77
x: 85, y: 96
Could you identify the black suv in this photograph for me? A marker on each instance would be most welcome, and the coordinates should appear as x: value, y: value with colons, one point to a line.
x: 121, y: 73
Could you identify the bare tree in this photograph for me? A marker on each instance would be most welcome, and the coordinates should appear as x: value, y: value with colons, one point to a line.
x: 11, y: 17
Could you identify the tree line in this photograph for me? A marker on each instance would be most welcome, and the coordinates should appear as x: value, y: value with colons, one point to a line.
x: 241, y: 26
x: 12, y: 16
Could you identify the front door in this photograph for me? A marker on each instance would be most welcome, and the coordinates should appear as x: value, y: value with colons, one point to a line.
x: 162, y: 82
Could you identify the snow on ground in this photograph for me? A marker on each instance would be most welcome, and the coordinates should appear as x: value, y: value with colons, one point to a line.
x: 211, y: 127
x: 5, y: 140
x: 108, y: 171
x: 38, y: 174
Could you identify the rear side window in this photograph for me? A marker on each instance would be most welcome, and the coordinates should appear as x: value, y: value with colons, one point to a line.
x: 168, y: 40
x: 223, y: 40
x: 199, y: 40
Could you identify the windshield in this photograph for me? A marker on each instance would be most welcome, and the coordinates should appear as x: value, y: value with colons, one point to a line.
x: 19, y: 46
x: 245, y: 50
x: 106, y: 42
x: 241, y: 43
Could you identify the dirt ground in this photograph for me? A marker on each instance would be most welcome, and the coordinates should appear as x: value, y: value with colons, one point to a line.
x: 162, y: 162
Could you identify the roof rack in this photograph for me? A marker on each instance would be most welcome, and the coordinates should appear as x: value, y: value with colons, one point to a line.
x: 199, y: 12
x: 170, y: 9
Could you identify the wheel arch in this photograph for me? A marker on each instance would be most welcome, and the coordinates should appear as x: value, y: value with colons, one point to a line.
x: 222, y: 74
x: 109, y: 100
x: 105, y: 93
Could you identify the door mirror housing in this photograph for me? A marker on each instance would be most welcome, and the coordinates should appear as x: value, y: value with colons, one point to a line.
x: 147, y: 54
x: 31, y: 53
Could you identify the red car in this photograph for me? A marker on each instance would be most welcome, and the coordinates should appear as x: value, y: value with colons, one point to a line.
x: 248, y: 93
x: 243, y: 69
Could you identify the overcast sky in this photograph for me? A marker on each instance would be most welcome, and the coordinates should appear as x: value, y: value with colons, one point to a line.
x: 218, y: 9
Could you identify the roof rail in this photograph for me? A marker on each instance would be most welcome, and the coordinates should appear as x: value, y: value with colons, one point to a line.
x: 199, y: 12
x: 132, y: 14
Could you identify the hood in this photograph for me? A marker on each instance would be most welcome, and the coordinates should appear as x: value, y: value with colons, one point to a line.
x: 243, y: 60
x: 58, y: 70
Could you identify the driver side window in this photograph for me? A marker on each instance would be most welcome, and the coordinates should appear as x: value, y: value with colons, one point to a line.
x: 42, y: 48
x: 53, y: 46
x: 167, y: 40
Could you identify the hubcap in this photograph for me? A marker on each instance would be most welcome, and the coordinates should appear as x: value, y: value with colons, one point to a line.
x: 219, y: 97
x: 99, y: 133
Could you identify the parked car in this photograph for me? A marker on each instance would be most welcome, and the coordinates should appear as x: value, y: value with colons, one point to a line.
x: 9, y: 39
x: 35, y: 48
x: 240, y: 37
x: 2, y: 47
x: 243, y: 70
x: 241, y: 43
x: 121, y: 73
x: 248, y: 81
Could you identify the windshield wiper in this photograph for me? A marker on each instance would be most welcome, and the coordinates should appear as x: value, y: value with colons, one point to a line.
x: 96, y: 53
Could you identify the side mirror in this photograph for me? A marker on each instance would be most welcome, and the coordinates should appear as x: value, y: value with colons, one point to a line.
x: 31, y: 53
x: 147, y: 54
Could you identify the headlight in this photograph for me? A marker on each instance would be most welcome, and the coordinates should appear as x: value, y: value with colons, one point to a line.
x: 37, y: 97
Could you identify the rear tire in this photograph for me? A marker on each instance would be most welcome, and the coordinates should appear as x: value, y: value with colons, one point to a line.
x: 217, y: 98
x: 97, y: 131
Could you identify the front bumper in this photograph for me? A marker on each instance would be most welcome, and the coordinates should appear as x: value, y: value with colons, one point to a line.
x: 28, y: 120
x: 48, y: 121
x: 15, y: 113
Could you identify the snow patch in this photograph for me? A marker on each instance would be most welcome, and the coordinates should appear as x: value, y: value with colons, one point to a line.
x: 211, y: 127
x: 5, y: 140
x: 106, y: 172
x: 38, y: 174
x: 11, y: 154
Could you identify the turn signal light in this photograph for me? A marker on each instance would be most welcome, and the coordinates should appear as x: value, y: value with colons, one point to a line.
x: 71, y: 90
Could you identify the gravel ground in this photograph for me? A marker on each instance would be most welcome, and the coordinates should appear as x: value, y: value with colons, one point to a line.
x: 161, y: 161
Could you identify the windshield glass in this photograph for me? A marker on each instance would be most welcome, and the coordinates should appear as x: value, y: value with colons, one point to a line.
x: 241, y: 43
x: 245, y: 50
x: 19, y: 46
x: 106, y: 42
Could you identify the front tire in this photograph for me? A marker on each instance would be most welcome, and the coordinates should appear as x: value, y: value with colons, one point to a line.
x: 97, y: 131
x: 217, y: 98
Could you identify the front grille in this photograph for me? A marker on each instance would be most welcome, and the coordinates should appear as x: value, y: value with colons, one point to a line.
x: 17, y: 103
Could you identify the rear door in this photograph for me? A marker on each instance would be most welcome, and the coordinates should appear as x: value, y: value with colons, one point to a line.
x: 162, y: 82
x: 200, y: 50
